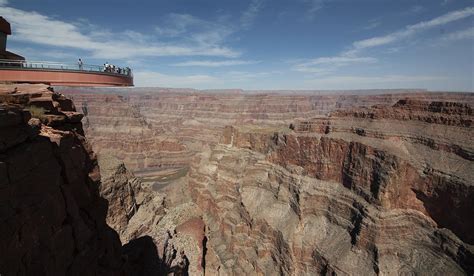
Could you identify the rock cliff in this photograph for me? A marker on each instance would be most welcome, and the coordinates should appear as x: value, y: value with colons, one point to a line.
x: 344, y: 194
x: 137, y: 210
x: 156, y: 132
x: 53, y: 219
x: 288, y: 183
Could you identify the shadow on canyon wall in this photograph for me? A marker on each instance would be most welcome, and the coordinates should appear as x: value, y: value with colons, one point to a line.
x: 143, y: 259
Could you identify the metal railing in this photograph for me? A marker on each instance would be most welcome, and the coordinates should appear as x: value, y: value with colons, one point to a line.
x: 45, y: 65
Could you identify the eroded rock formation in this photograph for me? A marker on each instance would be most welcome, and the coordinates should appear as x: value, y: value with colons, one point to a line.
x: 53, y: 219
x: 293, y: 184
x: 137, y: 211
x: 360, y: 197
x: 156, y: 132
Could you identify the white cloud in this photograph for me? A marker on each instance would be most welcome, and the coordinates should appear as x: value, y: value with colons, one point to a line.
x: 459, y: 35
x: 3, y: 2
x: 176, y: 24
x: 417, y: 9
x: 35, y: 55
x: 194, y: 29
x: 313, y: 7
x: 248, y: 16
x: 40, y: 29
x: 156, y: 79
x: 210, y: 63
x: 243, y: 76
x: 324, y: 65
x: 342, y: 60
x: 445, y: 2
x: 371, y: 82
x: 411, y: 30
x: 229, y: 79
x: 374, y: 23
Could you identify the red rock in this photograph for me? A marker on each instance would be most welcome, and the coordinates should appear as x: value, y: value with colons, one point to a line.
x: 348, y: 189
x: 53, y: 219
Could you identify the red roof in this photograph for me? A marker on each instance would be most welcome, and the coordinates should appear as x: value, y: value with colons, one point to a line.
x: 5, y: 26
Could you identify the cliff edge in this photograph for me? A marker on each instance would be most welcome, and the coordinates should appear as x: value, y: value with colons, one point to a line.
x: 52, y: 216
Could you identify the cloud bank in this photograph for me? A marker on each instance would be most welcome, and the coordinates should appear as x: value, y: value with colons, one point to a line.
x: 352, y: 55
x: 36, y: 28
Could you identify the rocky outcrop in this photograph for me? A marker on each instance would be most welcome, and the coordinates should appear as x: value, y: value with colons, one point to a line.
x: 343, y: 194
x: 152, y: 224
x: 123, y: 192
x: 157, y: 131
x: 53, y: 219
x: 445, y: 113
x: 293, y: 183
x: 265, y: 218
x: 137, y: 211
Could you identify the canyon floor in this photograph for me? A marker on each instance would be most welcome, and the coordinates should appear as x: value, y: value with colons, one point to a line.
x: 244, y: 182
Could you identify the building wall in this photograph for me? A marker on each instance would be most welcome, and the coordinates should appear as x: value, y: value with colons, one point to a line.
x: 3, y: 42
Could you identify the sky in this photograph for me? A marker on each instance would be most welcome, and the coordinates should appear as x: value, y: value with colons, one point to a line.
x: 257, y: 44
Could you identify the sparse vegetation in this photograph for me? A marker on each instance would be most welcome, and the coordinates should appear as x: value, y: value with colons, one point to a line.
x: 36, y: 112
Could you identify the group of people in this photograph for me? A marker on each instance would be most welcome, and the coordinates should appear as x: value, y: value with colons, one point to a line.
x: 115, y: 69
x: 110, y: 68
x: 178, y: 266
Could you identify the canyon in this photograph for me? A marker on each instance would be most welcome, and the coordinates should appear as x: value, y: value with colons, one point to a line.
x: 292, y: 182
x: 117, y: 181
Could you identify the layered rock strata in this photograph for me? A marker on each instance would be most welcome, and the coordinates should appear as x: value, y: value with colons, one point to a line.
x: 53, y: 219
x: 167, y: 218
x: 354, y: 191
x: 157, y: 131
x: 343, y: 195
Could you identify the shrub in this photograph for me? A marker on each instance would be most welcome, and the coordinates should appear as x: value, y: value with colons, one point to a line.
x: 36, y: 112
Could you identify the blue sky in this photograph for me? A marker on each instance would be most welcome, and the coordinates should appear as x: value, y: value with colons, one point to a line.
x: 257, y: 44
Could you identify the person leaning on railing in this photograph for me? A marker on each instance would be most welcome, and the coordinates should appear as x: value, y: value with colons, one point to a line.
x: 110, y: 68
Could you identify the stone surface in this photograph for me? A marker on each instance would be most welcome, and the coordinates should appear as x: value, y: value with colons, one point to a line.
x: 122, y: 190
x: 157, y: 131
x: 53, y: 219
x: 292, y: 183
x: 52, y: 216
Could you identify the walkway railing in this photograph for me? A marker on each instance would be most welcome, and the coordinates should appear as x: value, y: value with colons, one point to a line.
x: 45, y: 65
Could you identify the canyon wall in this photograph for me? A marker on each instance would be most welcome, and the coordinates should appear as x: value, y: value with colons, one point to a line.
x: 345, y: 194
x: 53, y: 219
x: 290, y: 183
x: 157, y: 131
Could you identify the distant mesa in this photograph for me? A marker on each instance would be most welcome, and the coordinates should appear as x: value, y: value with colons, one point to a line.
x: 16, y: 69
